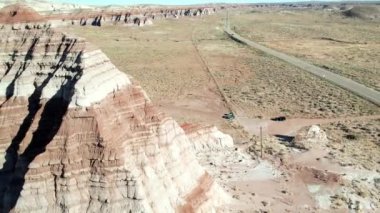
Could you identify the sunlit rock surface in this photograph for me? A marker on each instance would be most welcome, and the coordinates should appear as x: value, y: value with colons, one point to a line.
x: 78, y: 135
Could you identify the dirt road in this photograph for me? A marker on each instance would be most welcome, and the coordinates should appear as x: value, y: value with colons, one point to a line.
x: 343, y: 82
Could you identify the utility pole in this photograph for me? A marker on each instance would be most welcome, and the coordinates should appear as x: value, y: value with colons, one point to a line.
x: 227, y: 20
x: 261, y: 140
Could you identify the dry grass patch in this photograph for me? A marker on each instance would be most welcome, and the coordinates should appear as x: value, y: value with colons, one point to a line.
x: 349, y: 47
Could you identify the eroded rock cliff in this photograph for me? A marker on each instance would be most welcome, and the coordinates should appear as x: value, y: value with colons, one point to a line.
x: 78, y: 135
x: 129, y: 17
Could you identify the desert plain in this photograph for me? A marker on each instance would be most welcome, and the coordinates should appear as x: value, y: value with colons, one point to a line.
x: 195, y: 73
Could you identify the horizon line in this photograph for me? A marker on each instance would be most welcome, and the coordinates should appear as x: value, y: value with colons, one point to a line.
x: 228, y: 3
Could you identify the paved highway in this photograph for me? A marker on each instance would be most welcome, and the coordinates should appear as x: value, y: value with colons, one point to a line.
x: 367, y: 93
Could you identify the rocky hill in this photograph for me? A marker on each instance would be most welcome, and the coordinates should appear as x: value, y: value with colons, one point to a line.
x: 17, y: 13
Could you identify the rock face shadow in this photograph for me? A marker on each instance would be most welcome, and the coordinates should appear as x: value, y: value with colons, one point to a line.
x: 23, y: 66
x: 285, y: 138
x: 12, y: 175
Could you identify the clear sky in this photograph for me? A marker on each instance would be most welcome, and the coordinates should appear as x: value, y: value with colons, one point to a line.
x: 168, y: 2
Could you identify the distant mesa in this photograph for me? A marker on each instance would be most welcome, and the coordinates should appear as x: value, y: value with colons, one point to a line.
x: 19, y: 13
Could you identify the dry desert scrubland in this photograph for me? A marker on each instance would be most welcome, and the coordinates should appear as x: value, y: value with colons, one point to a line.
x: 342, y: 42
x: 186, y: 64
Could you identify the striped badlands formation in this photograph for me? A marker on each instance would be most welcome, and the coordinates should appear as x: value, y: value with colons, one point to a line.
x: 78, y: 135
x: 20, y: 13
x: 139, y: 17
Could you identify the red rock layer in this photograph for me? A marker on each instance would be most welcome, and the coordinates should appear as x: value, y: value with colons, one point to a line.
x: 18, y: 13
x: 198, y: 195
x: 191, y: 127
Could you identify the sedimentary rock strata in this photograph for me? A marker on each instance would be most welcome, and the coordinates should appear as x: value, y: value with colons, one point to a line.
x: 19, y: 13
x: 207, y: 138
x: 78, y: 135
x: 130, y: 17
